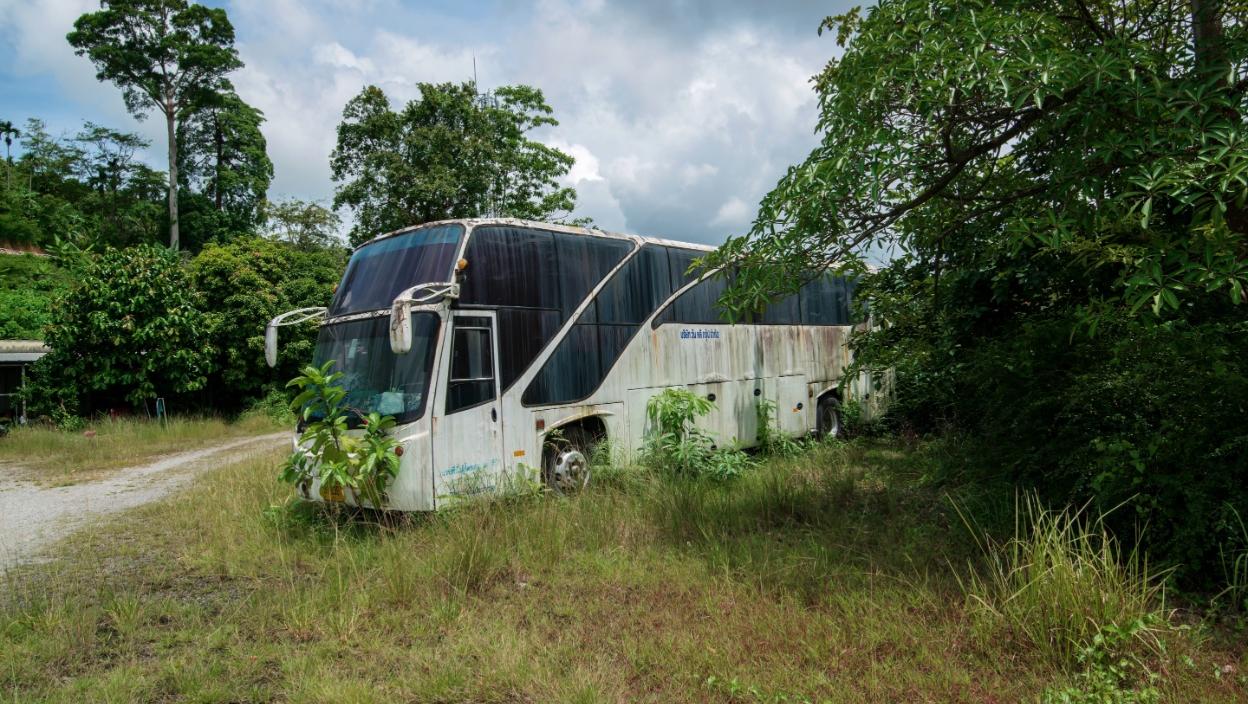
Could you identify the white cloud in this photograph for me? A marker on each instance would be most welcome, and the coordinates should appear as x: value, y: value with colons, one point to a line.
x: 734, y: 213
x: 680, y: 116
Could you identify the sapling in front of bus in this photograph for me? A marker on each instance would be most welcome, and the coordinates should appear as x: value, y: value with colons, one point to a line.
x: 506, y: 350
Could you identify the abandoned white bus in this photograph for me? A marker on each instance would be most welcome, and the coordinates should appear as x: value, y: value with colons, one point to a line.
x: 481, y: 337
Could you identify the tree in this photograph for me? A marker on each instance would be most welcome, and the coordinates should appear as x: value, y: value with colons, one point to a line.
x: 132, y: 328
x: 163, y: 54
x: 223, y: 161
x: 244, y: 284
x: 1062, y: 188
x: 9, y: 132
x: 123, y: 194
x: 452, y: 153
x: 1108, y: 130
x: 304, y: 225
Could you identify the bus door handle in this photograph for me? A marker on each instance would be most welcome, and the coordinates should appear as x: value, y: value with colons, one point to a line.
x: 494, y: 414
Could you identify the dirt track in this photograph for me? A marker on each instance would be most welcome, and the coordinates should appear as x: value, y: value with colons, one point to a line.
x: 33, y: 517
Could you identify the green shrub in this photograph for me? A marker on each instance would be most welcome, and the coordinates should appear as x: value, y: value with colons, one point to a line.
x: 675, y: 444
x: 1110, y: 673
x: 244, y: 284
x: 131, y: 329
x: 362, y: 465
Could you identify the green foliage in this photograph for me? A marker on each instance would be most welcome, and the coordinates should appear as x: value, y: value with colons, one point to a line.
x: 244, y: 284
x: 224, y: 170
x: 82, y: 189
x: 1110, y: 673
x: 302, y: 224
x: 1063, y: 187
x: 677, y: 446
x: 450, y: 154
x: 1107, y: 135
x: 1234, y: 556
x: 170, y: 55
x: 1060, y: 581
x: 27, y: 286
x: 363, y: 465
x: 771, y: 441
x: 130, y: 329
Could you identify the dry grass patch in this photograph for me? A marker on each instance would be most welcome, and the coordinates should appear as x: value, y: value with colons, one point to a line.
x: 47, y: 454
x: 821, y: 578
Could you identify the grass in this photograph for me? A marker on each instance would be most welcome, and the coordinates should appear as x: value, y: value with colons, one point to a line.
x: 832, y: 576
x: 58, y: 456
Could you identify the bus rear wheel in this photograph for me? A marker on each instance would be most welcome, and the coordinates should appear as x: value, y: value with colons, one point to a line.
x: 565, y: 460
x: 829, y: 420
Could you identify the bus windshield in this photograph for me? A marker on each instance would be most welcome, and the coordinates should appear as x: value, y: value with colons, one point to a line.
x: 375, y: 378
x: 382, y: 270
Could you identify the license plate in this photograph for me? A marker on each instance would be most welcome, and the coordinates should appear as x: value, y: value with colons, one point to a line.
x: 333, y: 493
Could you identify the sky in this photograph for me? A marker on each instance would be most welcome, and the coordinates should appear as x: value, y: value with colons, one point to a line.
x: 681, y: 114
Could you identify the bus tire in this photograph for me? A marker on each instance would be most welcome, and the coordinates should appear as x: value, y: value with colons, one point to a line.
x: 829, y: 421
x: 566, y: 459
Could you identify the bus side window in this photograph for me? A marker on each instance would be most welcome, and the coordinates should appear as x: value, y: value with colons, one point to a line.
x: 582, y: 359
x: 697, y: 306
x: 825, y: 301
x: 472, y: 365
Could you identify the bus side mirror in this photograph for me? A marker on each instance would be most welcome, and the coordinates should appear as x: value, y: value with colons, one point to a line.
x: 401, y: 326
x: 290, y: 317
x: 270, y: 344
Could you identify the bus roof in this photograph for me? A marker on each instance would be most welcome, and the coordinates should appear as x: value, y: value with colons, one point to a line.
x: 570, y: 229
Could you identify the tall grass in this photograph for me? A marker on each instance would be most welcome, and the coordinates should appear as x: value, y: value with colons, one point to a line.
x: 822, y: 577
x: 1061, y: 581
x: 108, y: 443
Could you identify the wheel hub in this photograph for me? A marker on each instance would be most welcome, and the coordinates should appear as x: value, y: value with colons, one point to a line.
x: 571, y: 470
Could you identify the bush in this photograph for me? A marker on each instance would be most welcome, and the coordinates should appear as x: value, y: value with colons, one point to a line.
x: 131, y: 329
x: 244, y: 284
x: 27, y: 286
x: 676, y: 445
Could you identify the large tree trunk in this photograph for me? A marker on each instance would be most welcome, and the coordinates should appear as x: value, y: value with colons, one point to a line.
x: 170, y: 116
x: 1207, y: 35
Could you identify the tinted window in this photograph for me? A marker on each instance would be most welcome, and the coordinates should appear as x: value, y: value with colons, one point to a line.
x: 681, y: 260
x: 472, y: 364
x: 510, y: 266
x: 825, y: 301
x: 583, y: 262
x: 522, y: 335
x: 375, y: 378
x: 697, y: 306
x: 782, y: 312
x: 572, y: 372
x: 380, y: 271
x: 582, y: 359
x: 535, y: 279
x: 638, y: 288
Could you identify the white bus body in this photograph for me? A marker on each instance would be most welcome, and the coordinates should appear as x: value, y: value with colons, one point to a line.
x: 518, y: 329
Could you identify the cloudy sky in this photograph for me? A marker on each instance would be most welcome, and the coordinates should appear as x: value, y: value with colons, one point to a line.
x: 681, y: 113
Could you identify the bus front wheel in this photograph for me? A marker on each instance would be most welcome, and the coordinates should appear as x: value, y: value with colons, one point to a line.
x: 830, y: 425
x: 565, y: 459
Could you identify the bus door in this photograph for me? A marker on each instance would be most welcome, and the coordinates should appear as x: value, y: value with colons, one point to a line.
x: 468, y: 437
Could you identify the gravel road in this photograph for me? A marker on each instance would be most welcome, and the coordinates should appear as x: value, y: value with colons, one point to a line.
x: 33, y: 517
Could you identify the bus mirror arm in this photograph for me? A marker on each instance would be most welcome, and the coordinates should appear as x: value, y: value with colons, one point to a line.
x: 292, y: 317
x: 401, y: 311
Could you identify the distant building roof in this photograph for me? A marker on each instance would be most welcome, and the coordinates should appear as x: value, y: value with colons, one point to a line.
x: 22, y: 350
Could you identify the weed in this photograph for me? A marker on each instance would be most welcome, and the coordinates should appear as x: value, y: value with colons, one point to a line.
x: 771, y: 441
x: 1061, y: 581
x: 1111, y: 673
x: 675, y: 444
x: 1235, y: 569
